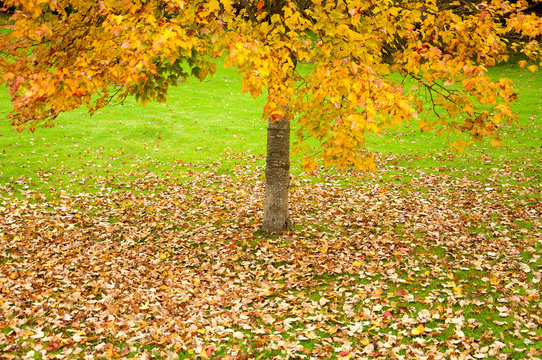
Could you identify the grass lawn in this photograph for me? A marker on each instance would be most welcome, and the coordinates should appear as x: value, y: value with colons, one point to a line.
x: 135, y: 233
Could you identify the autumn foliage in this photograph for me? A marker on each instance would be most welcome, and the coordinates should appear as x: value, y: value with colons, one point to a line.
x: 441, y: 266
x: 337, y: 68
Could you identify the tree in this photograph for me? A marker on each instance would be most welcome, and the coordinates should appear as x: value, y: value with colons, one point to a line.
x: 355, y: 54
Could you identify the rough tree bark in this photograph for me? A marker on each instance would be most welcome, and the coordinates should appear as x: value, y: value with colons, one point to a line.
x: 276, y: 216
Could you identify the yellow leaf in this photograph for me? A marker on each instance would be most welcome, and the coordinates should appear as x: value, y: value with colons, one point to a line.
x: 353, y: 36
x: 324, y: 250
x: 144, y: 306
x: 495, y: 280
x: 308, y: 164
x: 213, y: 5
x: 227, y: 5
x: 495, y: 142
x: 533, y: 68
x: 365, y: 341
x: 420, y: 329
x: 459, y: 145
x: 341, y: 29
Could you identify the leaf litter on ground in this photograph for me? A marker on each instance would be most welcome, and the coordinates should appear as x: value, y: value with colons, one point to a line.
x: 436, y: 267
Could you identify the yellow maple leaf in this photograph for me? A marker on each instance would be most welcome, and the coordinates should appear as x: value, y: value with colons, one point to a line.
x: 214, y: 5
x: 459, y: 145
x: 308, y: 164
x: 495, y: 142
x: 418, y: 330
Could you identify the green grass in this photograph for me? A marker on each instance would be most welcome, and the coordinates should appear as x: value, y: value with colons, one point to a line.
x: 203, y: 120
x: 200, y: 121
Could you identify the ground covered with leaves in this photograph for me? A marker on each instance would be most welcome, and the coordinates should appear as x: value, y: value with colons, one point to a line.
x: 438, y: 267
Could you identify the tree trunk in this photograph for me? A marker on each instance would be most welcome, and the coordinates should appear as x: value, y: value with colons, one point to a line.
x: 277, y: 177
